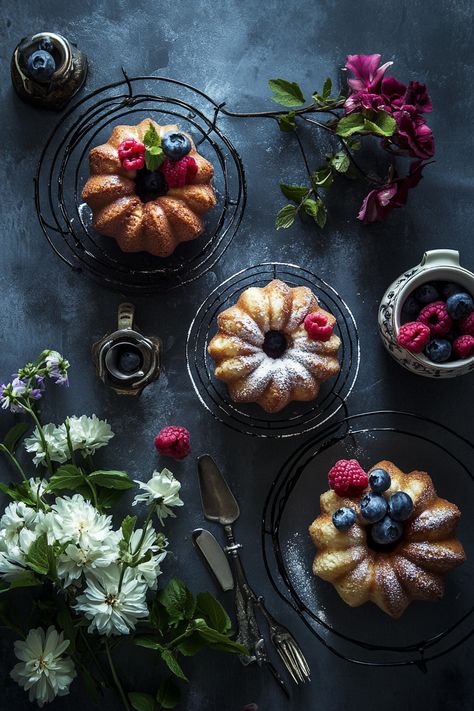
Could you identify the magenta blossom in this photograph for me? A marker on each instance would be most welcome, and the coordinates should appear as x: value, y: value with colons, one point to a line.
x: 379, y: 203
x: 362, y: 100
x: 393, y: 91
x: 366, y: 69
x: 417, y: 95
x: 413, y: 135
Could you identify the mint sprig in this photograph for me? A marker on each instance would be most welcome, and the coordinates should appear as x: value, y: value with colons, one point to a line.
x: 154, y: 155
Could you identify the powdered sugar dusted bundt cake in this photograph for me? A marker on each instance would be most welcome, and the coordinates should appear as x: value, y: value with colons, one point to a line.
x: 387, y: 537
x: 149, y: 188
x: 274, y: 346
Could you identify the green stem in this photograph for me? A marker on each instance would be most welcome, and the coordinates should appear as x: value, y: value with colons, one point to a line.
x: 42, y: 438
x: 69, y: 442
x: 312, y: 108
x: 136, y: 553
x: 93, y: 655
x: 117, y: 683
x: 14, y: 460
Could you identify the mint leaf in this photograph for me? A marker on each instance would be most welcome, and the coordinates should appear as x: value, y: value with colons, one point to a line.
x: 340, y: 162
x: 148, y: 643
x: 111, y: 479
x: 67, y: 476
x: 217, y: 641
x: 191, y: 645
x: 310, y: 207
x: 159, y: 617
x: 14, y: 435
x: 322, y: 178
x: 178, y: 602
x: 172, y: 664
x: 142, y: 702
x: 286, y: 93
x: 154, y: 155
x: 294, y: 192
x: 38, y: 555
x: 168, y: 694
x: 321, y: 215
x: 287, y: 122
x: 348, y: 125
x: 212, y: 611
x: 285, y: 217
x: 380, y: 123
x: 151, y: 137
x: 327, y: 86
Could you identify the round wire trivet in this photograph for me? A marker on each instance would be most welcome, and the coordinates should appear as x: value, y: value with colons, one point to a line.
x: 445, y: 446
x: 63, y: 169
x: 296, y: 418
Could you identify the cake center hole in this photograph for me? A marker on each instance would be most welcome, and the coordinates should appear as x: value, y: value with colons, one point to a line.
x: 150, y: 184
x: 274, y: 344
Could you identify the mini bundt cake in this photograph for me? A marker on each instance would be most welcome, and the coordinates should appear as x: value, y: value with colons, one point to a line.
x: 274, y: 346
x: 148, y: 188
x: 386, y: 537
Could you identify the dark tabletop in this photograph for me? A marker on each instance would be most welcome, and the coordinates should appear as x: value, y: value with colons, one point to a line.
x: 230, y: 50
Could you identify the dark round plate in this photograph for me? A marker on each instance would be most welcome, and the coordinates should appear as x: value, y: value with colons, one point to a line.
x: 251, y: 419
x: 366, y: 634
x: 63, y: 170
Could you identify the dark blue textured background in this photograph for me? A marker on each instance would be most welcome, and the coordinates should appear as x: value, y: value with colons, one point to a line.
x: 230, y: 49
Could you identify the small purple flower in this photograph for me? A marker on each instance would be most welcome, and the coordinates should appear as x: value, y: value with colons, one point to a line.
x: 366, y: 69
x: 10, y: 395
x: 57, y: 367
x: 378, y: 204
x: 36, y: 393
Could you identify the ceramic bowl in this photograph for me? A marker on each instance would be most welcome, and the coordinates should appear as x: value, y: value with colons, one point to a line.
x: 436, y: 265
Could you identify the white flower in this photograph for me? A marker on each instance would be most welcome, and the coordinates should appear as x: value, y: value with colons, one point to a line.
x: 89, y: 433
x: 149, y: 570
x: 76, y: 560
x: 163, y: 490
x: 43, y: 669
x: 113, y: 611
x: 12, y: 554
x: 18, y: 516
x: 38, y: 487
x: 75, y: 520
x: 56, y: 442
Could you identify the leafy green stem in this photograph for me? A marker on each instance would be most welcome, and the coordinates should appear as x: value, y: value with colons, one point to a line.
x: 117, y: 683
x: 14, y: 461
x: 33, y: 414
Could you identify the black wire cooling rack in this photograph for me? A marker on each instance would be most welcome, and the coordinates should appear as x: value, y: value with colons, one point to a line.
x: 354, y: 635
x: 296, y: 418
x: 63, y: 169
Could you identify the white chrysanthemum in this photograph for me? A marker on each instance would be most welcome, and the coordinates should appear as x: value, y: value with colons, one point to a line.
x: 89, y: 433
x: 76, y: 560
x: 113, y: 611
x: 13, y: 553
x: 163, y: 490
x: 75, y: 520
x: 38, y: 487
x: 56, y: 442
x: 43, y: 669
x: 18, y: 516
x: 149, y: 570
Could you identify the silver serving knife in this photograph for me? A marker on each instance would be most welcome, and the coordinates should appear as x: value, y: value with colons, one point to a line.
x: 212, y: 553
x: 219, y: 505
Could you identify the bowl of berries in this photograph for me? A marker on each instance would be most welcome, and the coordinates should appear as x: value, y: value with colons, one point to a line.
x: 426, y: 317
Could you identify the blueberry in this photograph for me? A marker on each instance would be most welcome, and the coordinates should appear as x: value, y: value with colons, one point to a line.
x: 459, y: 305
x: 449, y: 289
x: 150, y: 184
x: 438, y: 350
x: 129, y: 361
x: 426, y: 294
x: 41, y: 65
x: 274, y: 344
x: 379, y: 480
x: 46, y: 44
x: 175, y: 145
x: 411, y: 308
x: 386, y: 531
x: 373, y: 507
x: 343, y: 518
x: 400, y: 506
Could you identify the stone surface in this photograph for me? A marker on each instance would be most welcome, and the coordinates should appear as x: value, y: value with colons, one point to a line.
x: 230, y: 50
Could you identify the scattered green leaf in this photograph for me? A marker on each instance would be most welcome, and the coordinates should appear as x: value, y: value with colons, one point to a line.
x: 285, y: 217
x: 68, y: 476
x: 322, y: 178
x: 340, y: 162
x: 294, y: 192
x: 286, y: 93
x: 380, y: 123
x: 178, y: 601
x: 142, y: 702
x: 171, y: 662
x: 111, y: 479
x: 327, y: 86
x: 350, y: 124
x: 168, y: 694
x: 212, y: 611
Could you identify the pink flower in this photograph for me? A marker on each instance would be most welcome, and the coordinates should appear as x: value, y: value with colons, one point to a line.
x: 366, y: 69
x: 413, y: 134
x: 393, y: 91
x: 417, y: 95
x: 362, y: 100
x: 378, y: 204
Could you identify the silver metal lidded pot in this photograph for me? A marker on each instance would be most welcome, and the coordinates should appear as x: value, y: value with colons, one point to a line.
x: 125, y: 359
x: 57, y: 83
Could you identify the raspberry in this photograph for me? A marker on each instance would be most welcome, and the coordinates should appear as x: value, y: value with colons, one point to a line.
x: 347, y: 478
x: 173, y: 442
x: 179, y: 172
x: 466, y: 325
x: 463, y: 347
x: 436, y: 318
x: 414, y: 336
x: 317, y: 326
x: 132, y: 154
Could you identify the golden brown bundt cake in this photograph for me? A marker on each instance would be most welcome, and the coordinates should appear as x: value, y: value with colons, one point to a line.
x: 274, y: 346
x: 137, y: 207
x: 401, y: 557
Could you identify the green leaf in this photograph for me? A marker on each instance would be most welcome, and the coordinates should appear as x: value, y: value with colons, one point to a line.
x: 178, y: 601
x: 287, y: 122
x: 168, y: 694
x: 218, y: 641
x: 106, y: 498
x: 327, y: 86
x: 128, y: 525
x: 25, y: 580
x: 171, y: 662
x: 213, y: 612
x: 159, y: 618
x: 191, y: 645
x: 111, y: 479
x: 38, y: 555
x: 322, y: 178
x: 348, y: 125
x: 67, y: 476
x: 310, y: 207
x: 11, y: 492
x: 148, y: 642
x: 380, y: 123
x: 294, y: 192
x: 14, y: 435
x: 151, y: 137
x: 154, y: 158
x: 340, y: 162
x: 141, y: 701
x: 321, y: 215
x: 286, y: 93
x: 67, y: 625
x: 355, y: 144
x: 285, y: 217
